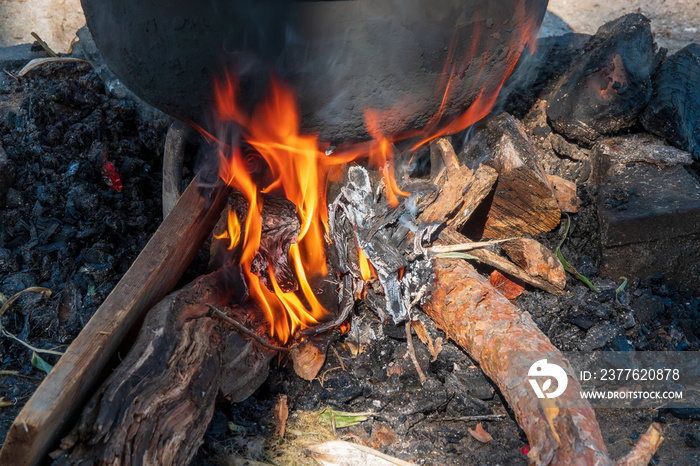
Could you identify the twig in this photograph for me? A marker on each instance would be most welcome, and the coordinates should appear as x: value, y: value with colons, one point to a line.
x: 482, y: 417
x: 487, y: 257
x: 348, y: 304
x: 245, y: 330
x: 339, y: 359
x: 412, y: 353
x: 466, y: 246
x: 43, y: 44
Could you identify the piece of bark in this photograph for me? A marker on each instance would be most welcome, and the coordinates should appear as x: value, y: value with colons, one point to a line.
x: 645, y: 448
x: 565, y: 193
x: 608, y: 87
x: 523, y: 201
x: 450, y: 236
x: 672, y: 112
x: 281, y: 413
x: 480, y: 434
x: 309, y: 355
x: 536, y: 260
x: 506, y: 343
x: 505, y: 286
x: 153, y: 274
x: 155, y: 408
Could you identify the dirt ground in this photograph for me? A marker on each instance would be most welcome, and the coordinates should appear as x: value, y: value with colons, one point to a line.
x: 676, y: 23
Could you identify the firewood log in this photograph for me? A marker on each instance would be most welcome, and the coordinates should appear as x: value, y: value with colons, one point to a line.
x: 506, y: 342
x: 673, y: 110
x: 156, y: 406
x: 523, y: 201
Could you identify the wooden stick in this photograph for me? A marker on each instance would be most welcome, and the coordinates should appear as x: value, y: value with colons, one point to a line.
x: 173, y: 159
x: 242, y: 328
x: 450, y: 236
x: 155, y: 272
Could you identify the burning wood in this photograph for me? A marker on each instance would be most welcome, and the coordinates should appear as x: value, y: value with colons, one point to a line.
x: 155, y: 407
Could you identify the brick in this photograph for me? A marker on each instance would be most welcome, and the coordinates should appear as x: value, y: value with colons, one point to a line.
x: 650, y: 223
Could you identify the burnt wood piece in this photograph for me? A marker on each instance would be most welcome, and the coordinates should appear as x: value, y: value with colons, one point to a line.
x: 506, y: 343
x: 461, y: 188
x: 368, y: 219
x: 523, y: 201
x: 154, y: 273
x: 536, y: 73
x: 536, y: 260
x: 173, y: 159
x: 280, y: 228
x: 607, y: 88
x: 674, y: 110
x: 155, y: 408
x: 483, y: 255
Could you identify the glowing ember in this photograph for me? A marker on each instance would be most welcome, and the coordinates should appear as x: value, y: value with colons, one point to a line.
x: 298, y: 168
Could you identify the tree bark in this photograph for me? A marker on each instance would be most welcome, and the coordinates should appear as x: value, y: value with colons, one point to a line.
x: 155, y: 408
x: 506, y: 343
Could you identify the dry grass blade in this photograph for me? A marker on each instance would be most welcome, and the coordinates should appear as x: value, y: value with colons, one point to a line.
x: 43, y: 61
x: 441, y: 248
x: 44, y: 45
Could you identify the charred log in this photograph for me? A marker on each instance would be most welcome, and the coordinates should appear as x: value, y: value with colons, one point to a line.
x: 155, y: 408
x: 673, y: 111
x: 608, y: 87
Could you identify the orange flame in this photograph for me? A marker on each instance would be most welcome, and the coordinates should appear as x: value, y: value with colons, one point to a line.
x: 233, y: 231
x: 365, y: 267
x: 300, y: 168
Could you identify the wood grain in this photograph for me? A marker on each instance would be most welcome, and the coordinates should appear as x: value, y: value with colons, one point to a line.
x: 155, y: 272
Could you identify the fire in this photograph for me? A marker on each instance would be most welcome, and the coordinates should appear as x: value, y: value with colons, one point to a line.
x: 365, y: 267
x: 299, y: 169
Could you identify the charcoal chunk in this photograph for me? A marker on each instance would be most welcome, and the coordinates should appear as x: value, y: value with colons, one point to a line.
x: 674, y: 110
x: 606, y: 89
x: 7, y: 175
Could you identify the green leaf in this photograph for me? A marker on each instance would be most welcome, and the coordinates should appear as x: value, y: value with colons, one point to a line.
x: 621, y: 288
x: 340, y: 419
x: 456, y: 255
x: 91, y: 290
x: 40, y: 364
x: 563, y: 261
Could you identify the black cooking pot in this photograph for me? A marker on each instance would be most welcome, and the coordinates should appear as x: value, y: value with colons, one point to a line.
x: 340, y: 56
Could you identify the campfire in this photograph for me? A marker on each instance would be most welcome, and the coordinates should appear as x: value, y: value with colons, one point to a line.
x: 443, y: 232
